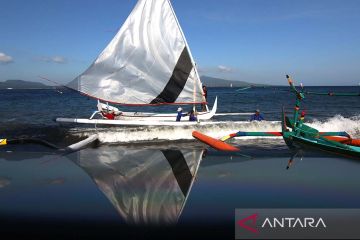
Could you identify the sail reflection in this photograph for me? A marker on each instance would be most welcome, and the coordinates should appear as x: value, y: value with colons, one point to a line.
x: 146, y: 186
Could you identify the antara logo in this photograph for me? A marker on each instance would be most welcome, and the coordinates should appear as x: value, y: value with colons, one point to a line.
x: 287, y: 222
x: 251, y: 218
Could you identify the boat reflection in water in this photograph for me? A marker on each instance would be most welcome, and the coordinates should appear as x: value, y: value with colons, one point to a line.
x: 149, y: 185
x: 146, y: 186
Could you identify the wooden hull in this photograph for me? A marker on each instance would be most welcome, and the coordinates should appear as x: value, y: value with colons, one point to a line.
x: 310, y: 137
x: 328, y: 146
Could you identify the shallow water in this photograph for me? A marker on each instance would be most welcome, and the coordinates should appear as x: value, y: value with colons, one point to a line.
x: 127, y: 186
x: 157, y: 176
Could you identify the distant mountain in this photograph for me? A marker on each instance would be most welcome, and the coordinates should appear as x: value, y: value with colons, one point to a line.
x: 206, y: 80
x: 218, y: 82
x: 21, y: 84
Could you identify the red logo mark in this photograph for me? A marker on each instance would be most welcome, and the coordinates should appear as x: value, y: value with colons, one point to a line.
x: 242, y: 222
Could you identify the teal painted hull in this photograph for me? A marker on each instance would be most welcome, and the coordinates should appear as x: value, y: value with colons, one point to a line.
x: 328, y: 146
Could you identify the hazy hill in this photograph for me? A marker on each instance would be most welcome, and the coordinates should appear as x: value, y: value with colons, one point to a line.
x: 208, y: 81
x: 21, y: 84
x: 218, y: 82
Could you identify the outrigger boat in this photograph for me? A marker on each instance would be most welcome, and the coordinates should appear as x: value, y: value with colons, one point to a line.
x: 147, y: 63
x: 295, y: 133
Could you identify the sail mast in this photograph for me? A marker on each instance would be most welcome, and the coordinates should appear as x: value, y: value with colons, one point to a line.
x: 186, y: 44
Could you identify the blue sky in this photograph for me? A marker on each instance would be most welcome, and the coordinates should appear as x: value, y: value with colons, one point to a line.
x: 317, y: 42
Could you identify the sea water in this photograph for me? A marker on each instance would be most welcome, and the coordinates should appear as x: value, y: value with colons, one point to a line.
x: 145, y: 176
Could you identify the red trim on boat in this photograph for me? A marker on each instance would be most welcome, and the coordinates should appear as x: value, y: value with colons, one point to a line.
x: 130, y: 104
x: 344, y: 140
x: 275, y: 133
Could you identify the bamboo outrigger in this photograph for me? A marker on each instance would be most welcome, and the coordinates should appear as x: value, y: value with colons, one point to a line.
x: 297, y: 134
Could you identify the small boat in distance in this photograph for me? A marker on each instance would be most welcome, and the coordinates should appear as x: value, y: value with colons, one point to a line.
x: 147, y: 63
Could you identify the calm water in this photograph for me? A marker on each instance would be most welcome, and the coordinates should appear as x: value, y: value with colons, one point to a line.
x: 140, y: 177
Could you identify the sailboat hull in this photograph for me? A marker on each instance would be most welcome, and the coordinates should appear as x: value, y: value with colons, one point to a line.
x: 143, y: 116
x: 146, y: 119
x: 132, y: 123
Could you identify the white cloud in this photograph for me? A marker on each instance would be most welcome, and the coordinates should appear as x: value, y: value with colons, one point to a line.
x: 216, y: 70
x: 222, y: 68
x: 54, y: 59
x: 4, y: 59
x: 58, y: 59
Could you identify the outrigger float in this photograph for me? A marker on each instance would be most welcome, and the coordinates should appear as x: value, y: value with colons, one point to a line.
x: 295, y: 133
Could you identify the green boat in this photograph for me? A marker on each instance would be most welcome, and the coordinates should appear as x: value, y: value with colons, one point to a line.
x: 296, y: 134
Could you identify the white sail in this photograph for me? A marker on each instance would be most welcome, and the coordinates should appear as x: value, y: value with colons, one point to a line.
x: 147, y: 62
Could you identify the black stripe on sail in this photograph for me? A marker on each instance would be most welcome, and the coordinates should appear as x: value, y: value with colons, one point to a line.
x: 177, y: 80
x: 180, y: 169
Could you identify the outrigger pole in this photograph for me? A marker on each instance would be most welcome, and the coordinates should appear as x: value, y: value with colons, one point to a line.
x: 69, y: 149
